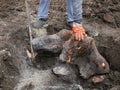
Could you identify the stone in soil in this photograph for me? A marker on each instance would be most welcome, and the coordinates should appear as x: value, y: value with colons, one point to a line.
x: 66, y: 72
x: 98, y: 79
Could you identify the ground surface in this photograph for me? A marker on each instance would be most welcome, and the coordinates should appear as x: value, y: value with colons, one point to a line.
x: 102, y: 19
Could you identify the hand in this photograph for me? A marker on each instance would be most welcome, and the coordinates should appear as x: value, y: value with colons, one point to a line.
x: 78, y: 31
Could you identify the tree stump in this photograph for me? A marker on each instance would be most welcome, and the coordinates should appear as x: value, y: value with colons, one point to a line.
x: 82, y: 53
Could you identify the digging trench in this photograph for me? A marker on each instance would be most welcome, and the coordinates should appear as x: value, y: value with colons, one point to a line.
x: 102, y: 22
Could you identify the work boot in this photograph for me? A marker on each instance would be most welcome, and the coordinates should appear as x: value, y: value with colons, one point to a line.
x: 70, y: 24
x: 40, y: 23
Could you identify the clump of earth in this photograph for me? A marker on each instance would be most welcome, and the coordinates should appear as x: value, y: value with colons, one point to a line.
x: 102, y: 22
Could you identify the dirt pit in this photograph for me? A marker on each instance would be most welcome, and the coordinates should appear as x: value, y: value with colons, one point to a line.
x: 15, y: 71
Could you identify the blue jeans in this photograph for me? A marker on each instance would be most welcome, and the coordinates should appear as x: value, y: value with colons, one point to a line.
x: 74, y: 10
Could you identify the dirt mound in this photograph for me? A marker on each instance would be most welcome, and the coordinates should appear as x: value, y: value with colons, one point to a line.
x: 10, y: 7
x: 8, y: 71
x: 107, y: 11
x: 102, y: 11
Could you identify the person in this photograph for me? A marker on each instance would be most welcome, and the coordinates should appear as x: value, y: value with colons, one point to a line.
x: 74, y: 11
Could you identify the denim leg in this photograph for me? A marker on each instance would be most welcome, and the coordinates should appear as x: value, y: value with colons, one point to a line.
x: 74, y: 9
x: 70, y: 10
x: 43, y: 9
x: 77, y: 11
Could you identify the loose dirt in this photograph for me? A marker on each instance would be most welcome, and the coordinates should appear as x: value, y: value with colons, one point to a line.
x: 101, y: 20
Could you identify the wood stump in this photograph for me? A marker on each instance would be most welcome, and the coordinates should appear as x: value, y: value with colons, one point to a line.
x: 82, y: 53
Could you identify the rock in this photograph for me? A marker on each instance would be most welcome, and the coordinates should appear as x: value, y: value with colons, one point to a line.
x: 61, y: 70
x: 66, y: 72
x: 98, y: 79
x: 109, y: 18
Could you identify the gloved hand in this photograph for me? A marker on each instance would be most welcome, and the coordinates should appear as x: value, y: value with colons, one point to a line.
x: 78, y: 31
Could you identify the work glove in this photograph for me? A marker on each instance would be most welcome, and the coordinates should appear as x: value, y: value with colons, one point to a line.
x: 78, y: 31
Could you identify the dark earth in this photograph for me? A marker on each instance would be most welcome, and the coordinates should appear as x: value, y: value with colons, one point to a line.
x: 101, y: 21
